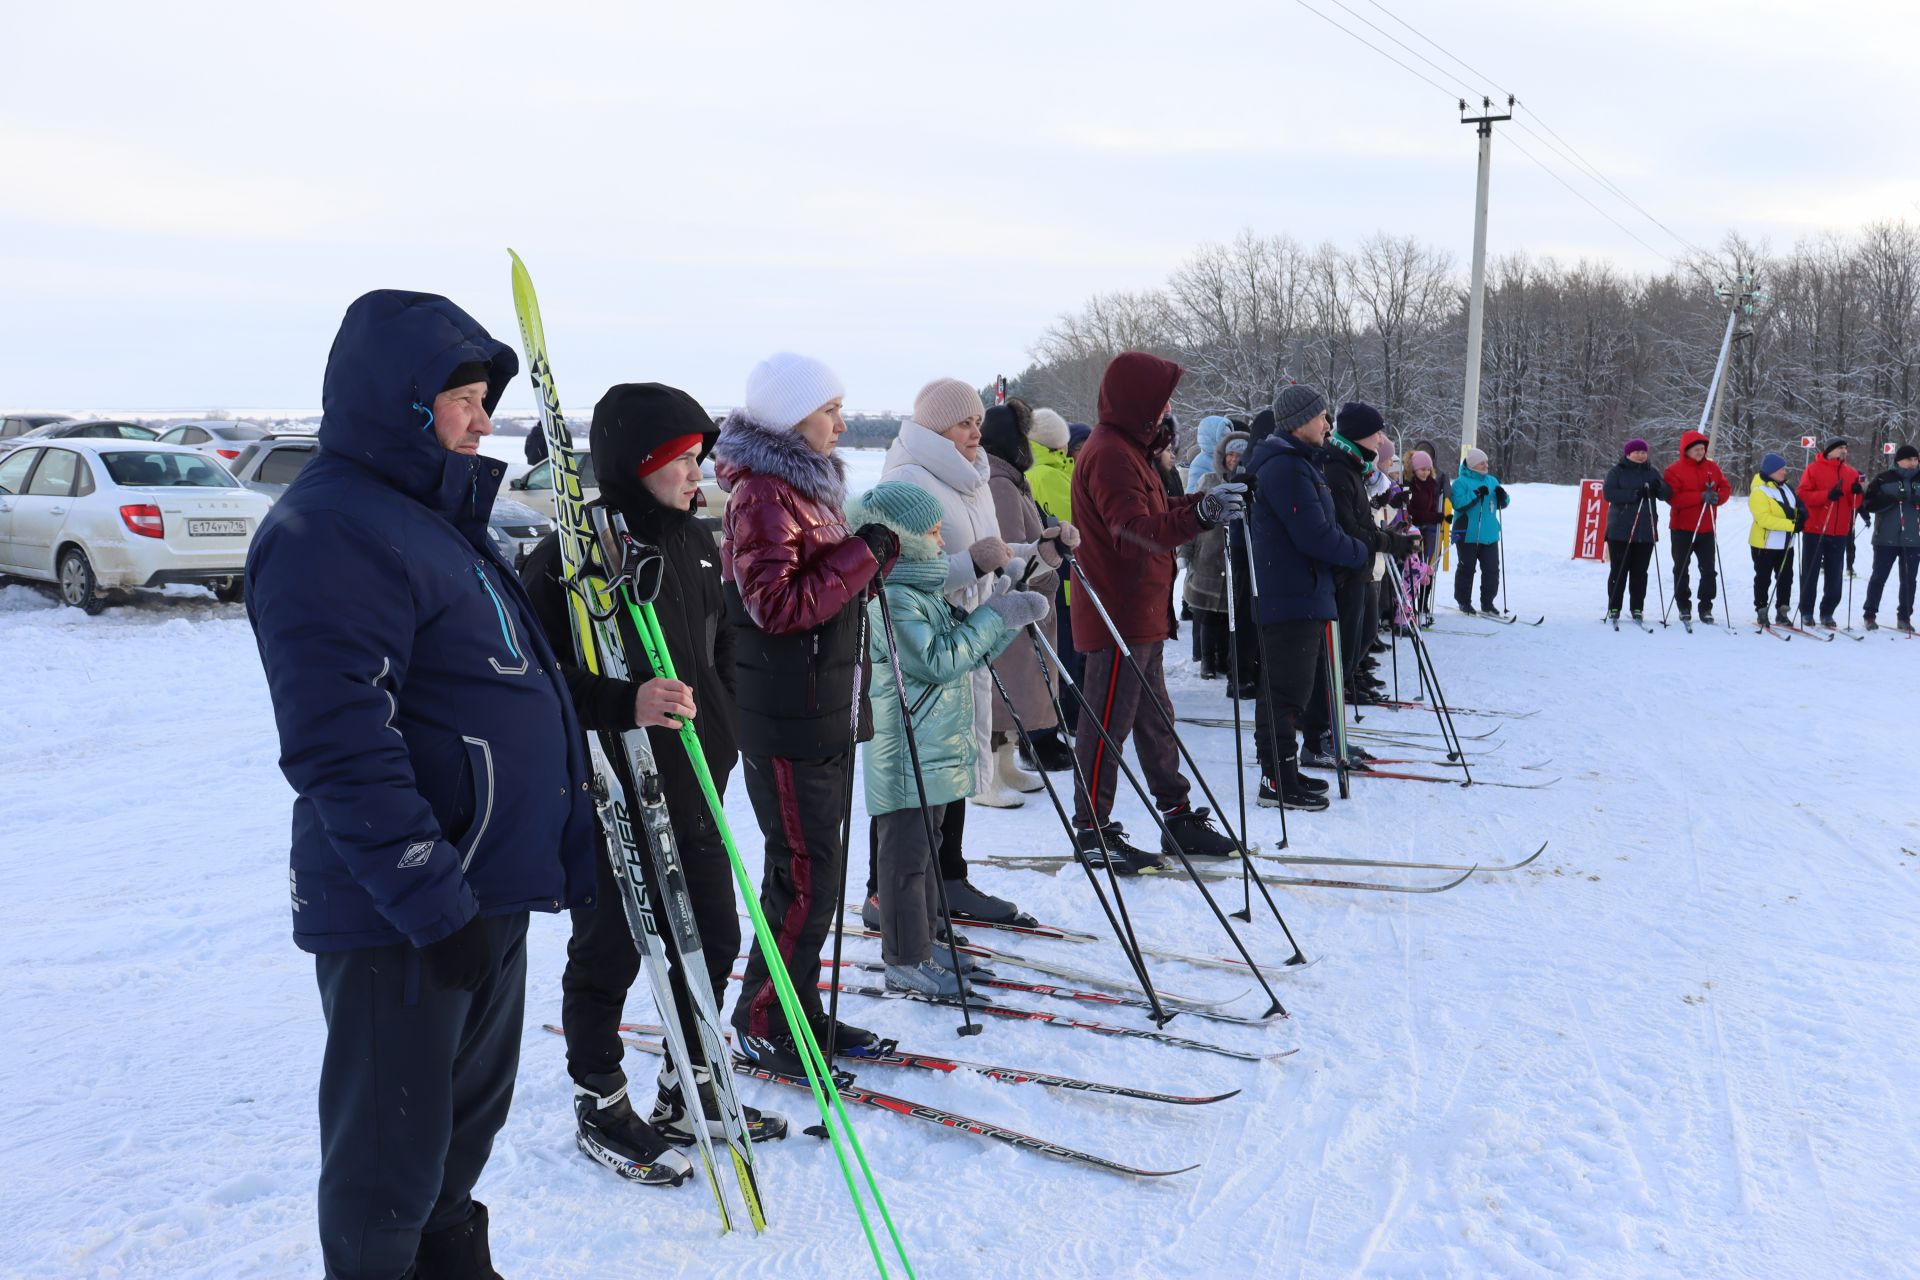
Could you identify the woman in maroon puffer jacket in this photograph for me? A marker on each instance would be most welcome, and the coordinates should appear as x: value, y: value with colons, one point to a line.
x: 796, y: 582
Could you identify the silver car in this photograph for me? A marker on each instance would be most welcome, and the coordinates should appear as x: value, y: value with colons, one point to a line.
x: 535, y: 488
x: 95, y: 516
x: 220, y: 437
x: 92, y: 429
x: 268, y: 466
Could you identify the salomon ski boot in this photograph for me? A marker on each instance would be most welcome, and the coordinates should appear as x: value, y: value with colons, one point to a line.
x: 611, y: 1133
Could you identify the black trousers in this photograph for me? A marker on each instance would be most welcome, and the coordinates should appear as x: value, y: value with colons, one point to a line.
x: 1772, y: 578
x: 1116, y: 693
x: 1071, y: 658
x: 415, y: 1082
x: 1822, y: 553
x: 1687, y: 547
x: 1484, y: 556
x: 602, y: 962
x: 1210, y: 639
x: 1292, y: 677
x: 1350, y: 598
x: 1884, y: 558
x: 1627, y: 568
x: 951, y: 830
x: 800, y: 805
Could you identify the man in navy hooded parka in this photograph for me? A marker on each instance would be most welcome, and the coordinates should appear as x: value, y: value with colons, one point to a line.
x: 441, y: 779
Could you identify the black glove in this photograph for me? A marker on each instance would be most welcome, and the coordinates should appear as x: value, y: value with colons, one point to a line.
x: 1856, y: 487
x: 1835, y: 494
x: 1711, y: 496
x: 463, y: 957
x: 1397, y: 498
x: 882, y: 541
x: 1222, y: 503
x: 1648, y: 491
x: 1500, y: 497
x: 1398, y: 545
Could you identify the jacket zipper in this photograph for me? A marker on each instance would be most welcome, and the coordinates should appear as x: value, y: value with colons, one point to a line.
x: 500, y: 610
x: 813, y: 665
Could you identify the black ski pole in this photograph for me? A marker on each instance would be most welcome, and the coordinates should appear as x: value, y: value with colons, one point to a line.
x: 1443, y: 714
x: 968, y: 1027
x: 1233, y: 696
x: 846, y: 826
x: 1122, y: 926
x: 1089, y: 715
x: 1166, y: 716
x: 1659, y: 581
x: 1265, y: 691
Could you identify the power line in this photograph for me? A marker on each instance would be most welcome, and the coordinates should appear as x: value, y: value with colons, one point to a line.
x: 1451, y: 96
x: 1409, y: 26
x: 1471, y: 91
x: 1605, y: 181
x: 1551, y: 173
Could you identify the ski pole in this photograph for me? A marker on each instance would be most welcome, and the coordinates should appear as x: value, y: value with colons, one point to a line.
x: 1720, y: 566
x: 1658, y: 581
x: 1165, y: 713
x: 1692, y: 540
x: 1233, y: 696
x: 1337, y: 709
x: 1443, y: 714
x: 1265, y: 690
x: 846, y: 823
x: 967, y: 1025
x: 1123, y: 926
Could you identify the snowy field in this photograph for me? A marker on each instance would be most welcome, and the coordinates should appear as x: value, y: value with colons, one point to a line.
x: 1679, y: 1044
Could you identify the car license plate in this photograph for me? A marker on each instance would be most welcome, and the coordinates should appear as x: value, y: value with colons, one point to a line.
x: 215, y: 528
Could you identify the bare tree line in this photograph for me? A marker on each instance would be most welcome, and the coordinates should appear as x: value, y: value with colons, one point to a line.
x: 1577, y: 358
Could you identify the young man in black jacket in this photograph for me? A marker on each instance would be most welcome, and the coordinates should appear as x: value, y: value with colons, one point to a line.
x: 648, y: 441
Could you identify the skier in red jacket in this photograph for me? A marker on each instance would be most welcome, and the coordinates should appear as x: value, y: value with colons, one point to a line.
x: 1128, y: 530
x: 1831, y: 491
x: 1699, y: 487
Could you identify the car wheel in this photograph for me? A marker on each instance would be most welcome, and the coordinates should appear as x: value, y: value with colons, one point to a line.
x: 232, y: 591
x: 78, y: 587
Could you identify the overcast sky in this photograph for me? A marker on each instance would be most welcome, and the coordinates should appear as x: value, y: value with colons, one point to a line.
x: 191, y: 194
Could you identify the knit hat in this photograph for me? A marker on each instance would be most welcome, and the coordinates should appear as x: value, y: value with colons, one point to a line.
x: 945, y: 402
x: 470, y: 372
x: 1475, y: 458
x: 1826, y: 450
x: 1905, y: 452
x: 1771, y: 463
x: 1635, y: 445
x: 1420, y: 458
x: 785, y: 388
x: 907, y: 509
x: 1077, y: 434
x: 1387, y: 455
x: 1357, y: 421
x: 1048, y: 428
x: 1295, y: 406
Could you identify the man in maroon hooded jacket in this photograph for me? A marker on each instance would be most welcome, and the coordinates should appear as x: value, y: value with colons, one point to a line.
x: 1128, y: 531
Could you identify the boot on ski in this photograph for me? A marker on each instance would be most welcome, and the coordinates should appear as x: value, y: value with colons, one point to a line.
x: 924, y: 979
x: 675, y: 1122
x: 610, y: 1132
x: 1195, y: 831
x: 969, y: 903
x: 1867, y: 622
x: 1295, y: 790
x: 1125, y: 858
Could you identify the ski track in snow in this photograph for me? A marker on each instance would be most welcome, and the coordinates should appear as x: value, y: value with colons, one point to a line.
x: 1679, y: 1044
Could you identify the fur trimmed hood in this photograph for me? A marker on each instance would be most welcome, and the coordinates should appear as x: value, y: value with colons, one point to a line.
x: 746, y: 445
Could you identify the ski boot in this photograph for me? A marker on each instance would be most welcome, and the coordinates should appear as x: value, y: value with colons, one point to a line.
x: 1125, y: 858
x: 1706, y: 615
x: 1829, y: 623
x: 849, y: 1041
x: 675, y: 1123
x: 1196, y: 834
x: 1295, y: 791
x: 1904, y: 624
x: 969, y: 903
x: 611, y: 1133
x: 924, y: 979
x: 1781, y: 618
x: 1867, y: 622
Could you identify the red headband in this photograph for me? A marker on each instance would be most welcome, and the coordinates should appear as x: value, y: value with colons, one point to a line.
x: 664, y: 453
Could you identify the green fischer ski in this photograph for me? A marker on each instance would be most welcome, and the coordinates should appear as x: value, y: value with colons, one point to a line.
x: 600, y: 649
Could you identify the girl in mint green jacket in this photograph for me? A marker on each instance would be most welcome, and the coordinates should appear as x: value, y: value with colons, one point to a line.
x: 939, y: 648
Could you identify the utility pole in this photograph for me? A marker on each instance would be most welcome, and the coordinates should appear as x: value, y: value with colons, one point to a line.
x: 1742, y: 299
x: 1477, y: 297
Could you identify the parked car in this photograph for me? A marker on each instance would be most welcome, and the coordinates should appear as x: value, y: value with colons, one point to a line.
x: 535, y: 488
x: 220, y: 437
x: 95, y: 516
x: 20, y: 423
x: 268, y: 466
x: 93, y: 429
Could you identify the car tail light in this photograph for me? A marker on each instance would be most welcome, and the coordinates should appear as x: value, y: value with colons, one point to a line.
x: 144, y: 519
x: 228, y: 454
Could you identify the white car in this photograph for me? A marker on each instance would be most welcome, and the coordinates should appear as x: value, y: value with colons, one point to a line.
x: 220, y: 437
x: 102, y: 515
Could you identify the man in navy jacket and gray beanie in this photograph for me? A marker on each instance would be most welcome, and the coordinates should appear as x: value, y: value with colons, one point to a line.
x: 1300, y: 553
x: 441, y: 780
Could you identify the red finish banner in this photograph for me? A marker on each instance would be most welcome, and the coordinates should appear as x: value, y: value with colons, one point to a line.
x: 1590, y: 531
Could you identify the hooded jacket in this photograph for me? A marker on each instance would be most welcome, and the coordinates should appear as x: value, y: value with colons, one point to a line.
x: 1206, y: 556
x: 1828, y: 516
x: 1128, y: 527
x: 1298, y: 545
x: 1630, y: 490
x: 795, y: 579
x: 1893, y: 500
x: 1688, y: 481
x: 1051, y: 479
x: 628, y: 423
x: 1477, y: 507
x: 425, y: 728
x: 1213, y: 429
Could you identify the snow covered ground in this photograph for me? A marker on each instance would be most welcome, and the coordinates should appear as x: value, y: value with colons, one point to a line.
x: 1681, y: 1043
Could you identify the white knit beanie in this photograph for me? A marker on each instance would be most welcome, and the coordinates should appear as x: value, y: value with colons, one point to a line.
x: 785, y: 388
x: 1049, y: 429
x: 945, y: 402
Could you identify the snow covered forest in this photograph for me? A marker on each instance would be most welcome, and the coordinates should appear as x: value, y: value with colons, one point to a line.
x: 1578, y: 356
